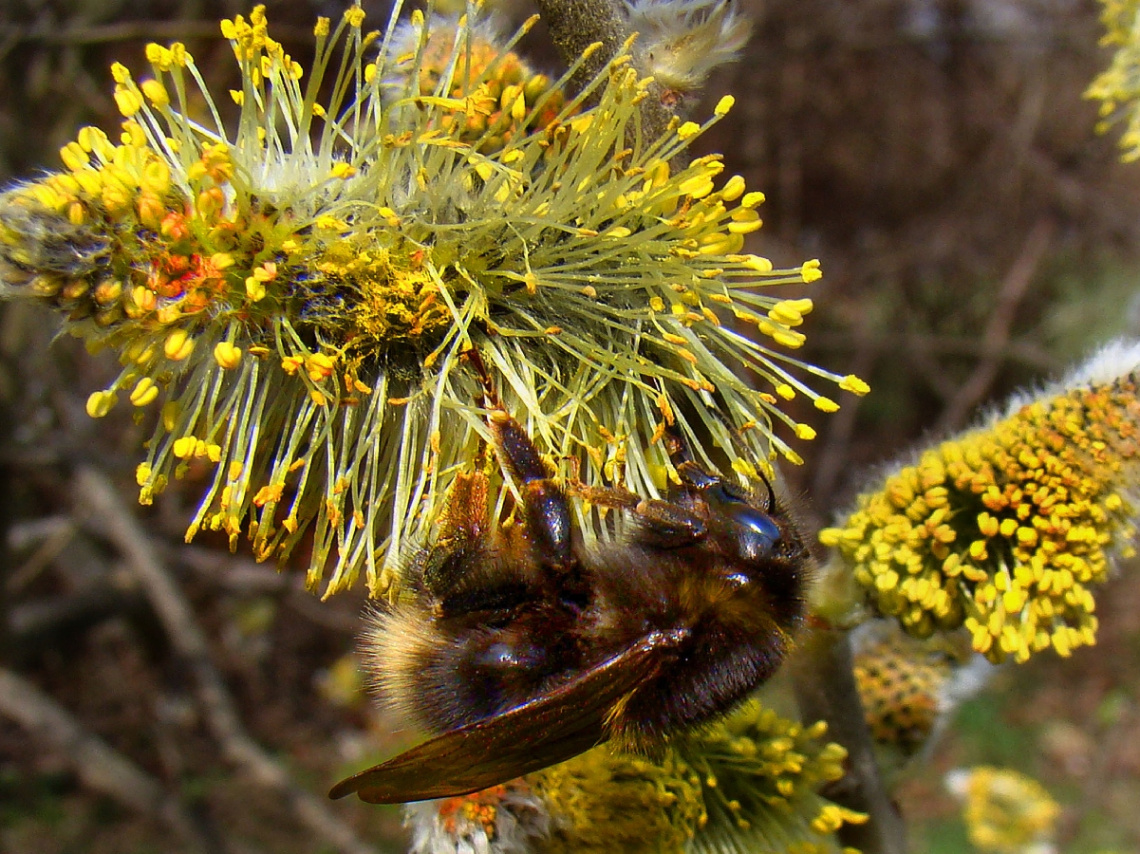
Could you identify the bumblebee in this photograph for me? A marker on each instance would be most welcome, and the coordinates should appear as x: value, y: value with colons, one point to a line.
x: 520, y: 646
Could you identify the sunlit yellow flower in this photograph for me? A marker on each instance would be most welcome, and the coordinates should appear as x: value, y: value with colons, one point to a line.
x: 497, y: 95
x: 1006, y: 529
x: 761, y: 774
x: 748, y: 783
x: 603, y: 801
x: 1118, y: 87
x: 900, y: 693
x: 294, y: 297
x: 910, y: 687
x: 1005, y: 812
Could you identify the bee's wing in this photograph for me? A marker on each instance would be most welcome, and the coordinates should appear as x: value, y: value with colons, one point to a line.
x: 547, y: 730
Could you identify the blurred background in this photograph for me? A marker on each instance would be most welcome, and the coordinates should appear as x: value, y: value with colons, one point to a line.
x: 976, y: 236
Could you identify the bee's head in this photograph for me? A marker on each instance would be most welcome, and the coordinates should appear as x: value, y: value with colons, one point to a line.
x: 756, y: 533
x: 748, y: 532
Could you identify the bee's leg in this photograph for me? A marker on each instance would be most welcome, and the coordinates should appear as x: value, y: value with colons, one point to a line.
x: 665, y: 524
x: 691, y: 473
x: 460, y: 541
x: 694, y: 476
x: 465, y: 517
x: 454, y: 570
x: 545, y: 509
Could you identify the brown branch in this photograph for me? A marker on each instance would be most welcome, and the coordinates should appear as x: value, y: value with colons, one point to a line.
x: 826, y: 690
x: 244, y: 576
x: 576, y: 25
x: 95, y: 763
x: 995, y: 339
x: 104, y: 508
x: 42, y: 622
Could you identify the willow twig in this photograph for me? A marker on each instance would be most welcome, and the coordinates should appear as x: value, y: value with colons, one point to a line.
x: 99, y: 766
x: 103, y: 506
x: 826, y: 690
x: 576, y: 25
x: 995, y: 338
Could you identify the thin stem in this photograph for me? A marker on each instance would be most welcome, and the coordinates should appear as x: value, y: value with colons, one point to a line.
x: 106, y: 511
x: 826, y: 690
x: 95, y: 762
x: 575, y: 25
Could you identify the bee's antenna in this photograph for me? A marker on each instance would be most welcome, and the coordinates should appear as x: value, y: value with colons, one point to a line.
x: 681, y: 455
x: 771, y: 491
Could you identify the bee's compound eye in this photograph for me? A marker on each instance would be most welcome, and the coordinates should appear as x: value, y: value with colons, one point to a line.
x: 759, y: 532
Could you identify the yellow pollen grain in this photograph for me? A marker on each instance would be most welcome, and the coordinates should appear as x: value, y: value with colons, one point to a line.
x: 744, y: 221
x: 156, y: 93
x: 99, y: 403
x: 757, y: 263
x: 786, y: 312
x: 789, y: 338
x: 320, y: 366
x: 74, y: 157
x: 94, y: 140
x: 696, y: 187
x: 127, y: 100
x: 255, y: 289
x: 810, y: 271
x: 804, y: 431
x: 157, y: 55
x: 733, y: 189
x: 227, y: 355
x: 183, y: 447
x: 724, y: 105
x: 688, y: 130
x: 178, y: 345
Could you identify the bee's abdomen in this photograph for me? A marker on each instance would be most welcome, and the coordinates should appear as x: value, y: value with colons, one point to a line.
x: 718, y: 666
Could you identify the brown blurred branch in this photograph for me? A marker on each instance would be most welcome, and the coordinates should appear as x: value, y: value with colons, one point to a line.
x: 34, y: 626
x: 106, y: 511
x: 92, y: 759
x: 832, y: 460
x: 995, y: 338
x: 103, y: 33
x: 245, y: 576
x: 575, y: 25
x: 826, y: 690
